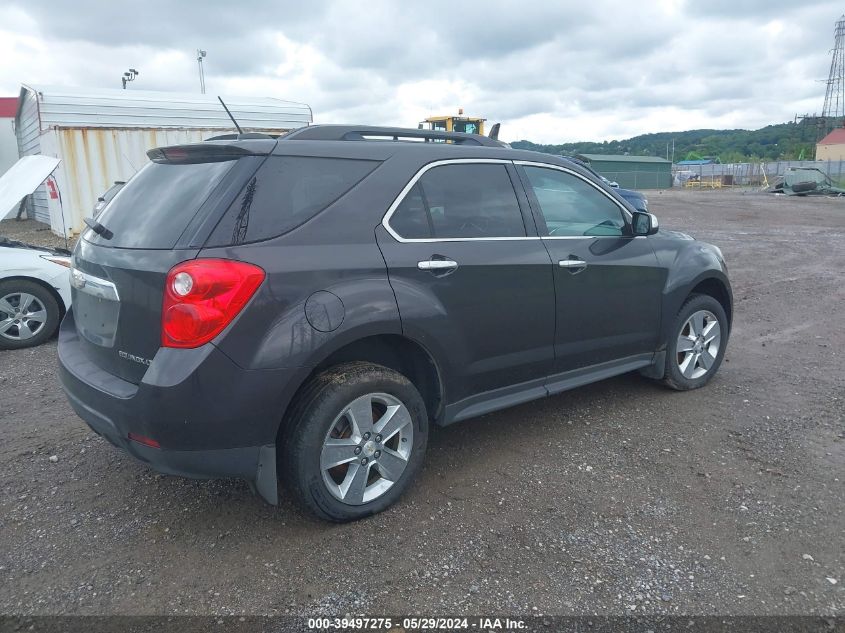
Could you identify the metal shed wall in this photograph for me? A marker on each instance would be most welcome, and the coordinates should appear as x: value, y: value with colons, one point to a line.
x: 103, y: 135
x: 76, y: 107
x: 8, y: 152
x: 28, y: 131
x: 633, y: 172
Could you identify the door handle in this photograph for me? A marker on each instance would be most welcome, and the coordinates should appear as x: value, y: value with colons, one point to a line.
x: 437, y: 264
x: 573, y: 265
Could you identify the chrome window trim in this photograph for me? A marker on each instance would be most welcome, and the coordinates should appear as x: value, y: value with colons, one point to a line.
x: 592, y: 237
x: 385, y: 222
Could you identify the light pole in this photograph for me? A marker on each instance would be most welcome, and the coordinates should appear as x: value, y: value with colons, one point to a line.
x: 129, y: 76
x: 200, y: 56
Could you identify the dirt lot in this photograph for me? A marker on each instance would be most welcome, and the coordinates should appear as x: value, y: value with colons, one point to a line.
x: 617, y: 498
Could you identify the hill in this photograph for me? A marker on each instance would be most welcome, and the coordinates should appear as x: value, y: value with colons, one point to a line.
x: 784, y: 141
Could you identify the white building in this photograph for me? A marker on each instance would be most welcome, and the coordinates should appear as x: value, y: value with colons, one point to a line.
x: 8, y: 142
x: 103, y: 135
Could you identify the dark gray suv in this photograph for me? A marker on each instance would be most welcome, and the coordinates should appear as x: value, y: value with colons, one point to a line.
x: 305, y: 308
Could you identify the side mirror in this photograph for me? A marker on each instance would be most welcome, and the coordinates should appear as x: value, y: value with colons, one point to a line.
x: 644, y: 223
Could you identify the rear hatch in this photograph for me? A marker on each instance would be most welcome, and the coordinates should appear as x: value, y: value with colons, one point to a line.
x: 161, y: 217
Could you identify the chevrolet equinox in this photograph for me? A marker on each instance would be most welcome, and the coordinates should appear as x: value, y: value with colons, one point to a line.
x: 303, y: 309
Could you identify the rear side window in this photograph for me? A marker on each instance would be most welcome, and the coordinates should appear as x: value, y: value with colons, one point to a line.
x: 411, y: 219
x: 154, y: 208
x: 460, y: 201
x: 285, y: 192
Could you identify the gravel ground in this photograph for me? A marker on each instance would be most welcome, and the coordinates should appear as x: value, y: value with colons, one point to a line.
x: 617, y: 498
x: 32, y: 232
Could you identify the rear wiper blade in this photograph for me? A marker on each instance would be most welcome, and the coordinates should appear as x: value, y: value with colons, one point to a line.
x: 98, y: 228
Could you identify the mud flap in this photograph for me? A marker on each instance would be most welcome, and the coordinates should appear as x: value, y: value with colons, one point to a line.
x: 266, y: 482
x: 657, y: 369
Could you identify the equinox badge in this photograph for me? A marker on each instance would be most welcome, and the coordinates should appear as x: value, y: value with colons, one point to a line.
x: 133, y: 358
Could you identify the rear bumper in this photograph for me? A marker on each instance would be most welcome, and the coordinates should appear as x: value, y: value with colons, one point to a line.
x: 210, y: 417
x: 226, y: 462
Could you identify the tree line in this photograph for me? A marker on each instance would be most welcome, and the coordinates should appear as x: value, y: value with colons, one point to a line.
x: 784, y: 141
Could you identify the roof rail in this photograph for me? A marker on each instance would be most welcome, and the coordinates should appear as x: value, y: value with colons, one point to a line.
x: 366, y: 133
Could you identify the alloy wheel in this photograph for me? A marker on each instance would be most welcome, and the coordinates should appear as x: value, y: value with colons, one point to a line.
x: 698, y: 344
x: 367, y: 448
x: 22, y: 316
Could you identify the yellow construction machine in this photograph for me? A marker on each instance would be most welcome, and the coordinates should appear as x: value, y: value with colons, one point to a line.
x: 459, y: 123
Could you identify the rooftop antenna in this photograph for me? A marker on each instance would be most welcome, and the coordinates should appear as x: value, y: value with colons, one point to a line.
x: 240, y: 131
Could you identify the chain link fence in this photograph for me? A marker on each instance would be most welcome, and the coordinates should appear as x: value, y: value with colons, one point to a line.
x: 749, y: 175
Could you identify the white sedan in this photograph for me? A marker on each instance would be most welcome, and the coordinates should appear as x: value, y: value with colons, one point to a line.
x: 34, y: 293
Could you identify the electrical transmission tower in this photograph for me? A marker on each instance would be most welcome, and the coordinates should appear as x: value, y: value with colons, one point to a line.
x: 833, y: 114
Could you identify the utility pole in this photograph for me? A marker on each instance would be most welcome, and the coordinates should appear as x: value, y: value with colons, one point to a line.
x: 200, y: 56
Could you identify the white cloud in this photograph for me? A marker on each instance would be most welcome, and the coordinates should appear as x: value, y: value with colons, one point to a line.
x: 550, y: 72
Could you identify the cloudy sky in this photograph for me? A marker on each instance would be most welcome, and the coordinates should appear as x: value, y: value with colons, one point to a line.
x: 552, y: 71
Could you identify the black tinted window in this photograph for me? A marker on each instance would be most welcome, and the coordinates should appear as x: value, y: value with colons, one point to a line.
x: 571, y: 206
x: 285, y: 192
x: 155, y: 207
x: 471, y: 200
x: 411, y: 219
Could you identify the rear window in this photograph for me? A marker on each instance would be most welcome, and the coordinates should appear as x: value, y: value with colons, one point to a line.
x: 284, y: 193
x: 154, y: 208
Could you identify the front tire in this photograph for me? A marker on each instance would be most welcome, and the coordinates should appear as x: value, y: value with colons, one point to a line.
x: 355, y: 440
x: 29, y: 314
x: 696, y: 344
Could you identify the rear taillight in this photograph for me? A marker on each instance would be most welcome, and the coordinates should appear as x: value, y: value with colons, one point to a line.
x: 202, y: 297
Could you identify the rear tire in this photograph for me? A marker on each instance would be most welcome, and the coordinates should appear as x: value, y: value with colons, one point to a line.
x: 29, y: 314
x: 696, y: 344
x: 333, y: 456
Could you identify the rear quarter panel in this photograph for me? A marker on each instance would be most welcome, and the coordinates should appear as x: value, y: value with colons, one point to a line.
x: 333, y: 252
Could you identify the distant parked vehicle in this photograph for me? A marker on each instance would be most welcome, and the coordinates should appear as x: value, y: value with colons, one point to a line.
x: 637, y: 200
x: 34, y: 293
x: 110, y: 193
x: 607, y: 181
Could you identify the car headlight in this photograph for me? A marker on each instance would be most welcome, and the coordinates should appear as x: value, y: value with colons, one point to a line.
x: 57, y: 259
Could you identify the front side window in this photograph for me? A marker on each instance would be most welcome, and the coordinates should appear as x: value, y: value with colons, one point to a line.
x: 573, y: 207
x: 460, y: 201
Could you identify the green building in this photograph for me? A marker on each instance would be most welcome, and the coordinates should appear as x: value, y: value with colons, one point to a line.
x: 632, y: 172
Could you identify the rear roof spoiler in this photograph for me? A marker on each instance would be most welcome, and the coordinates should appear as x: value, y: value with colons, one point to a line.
x: 200, y: 153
